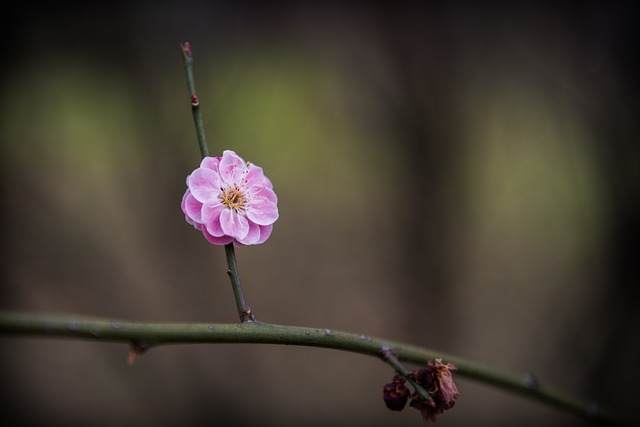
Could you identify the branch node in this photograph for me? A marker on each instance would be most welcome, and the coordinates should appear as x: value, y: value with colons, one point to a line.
x: 247, y: 316
x: 592, y: 410
x: 531, y: 381
x: 386, y: 351
x: 73, y: 325
x: 116, y: 325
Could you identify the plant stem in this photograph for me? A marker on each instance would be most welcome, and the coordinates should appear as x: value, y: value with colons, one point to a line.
x: 387, y: 355
x: 244, y: 312
x: 142, y: 336
x: 243, y: 309
x: 195, y: 102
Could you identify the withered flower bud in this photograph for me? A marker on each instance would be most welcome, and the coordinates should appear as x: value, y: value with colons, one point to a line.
x: 396, y: 394
x: 448, y: 392
x: 437, y: 380
x: 426, y: 407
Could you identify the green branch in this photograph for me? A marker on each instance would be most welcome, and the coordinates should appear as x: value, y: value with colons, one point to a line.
x: 143, y: 336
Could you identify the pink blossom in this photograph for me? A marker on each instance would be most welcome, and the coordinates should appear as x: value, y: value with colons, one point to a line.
x: 230, y: 200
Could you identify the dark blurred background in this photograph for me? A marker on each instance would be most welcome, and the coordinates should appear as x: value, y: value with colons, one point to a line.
x: 464, y: 178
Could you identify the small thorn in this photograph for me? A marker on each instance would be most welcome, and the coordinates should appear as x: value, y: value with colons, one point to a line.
x: 131, y: 357
x: 194, y: 100
x: 137, y: 348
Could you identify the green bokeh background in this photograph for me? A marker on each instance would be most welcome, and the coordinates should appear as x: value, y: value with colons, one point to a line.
x: 461, y: 178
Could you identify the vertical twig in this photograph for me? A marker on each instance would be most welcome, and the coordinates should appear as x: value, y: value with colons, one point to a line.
x: 232, y: 266
x: 243, y: 309
x: 195, y: 102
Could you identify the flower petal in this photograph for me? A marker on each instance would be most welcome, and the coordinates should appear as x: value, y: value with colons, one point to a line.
x: 265, y: 232
x: 252, y: 236
x: 211, y: 219
x: 269, y: 194
x: 192, y: 208
x: 204, y: 185
x: 230, y: 168
x: 210, y: 163
x: 253, y: 176
x: 262, y: 212
x: 184, y: 201
x: 223, y: 240
x: 233, y: 224
x: 267, y: 183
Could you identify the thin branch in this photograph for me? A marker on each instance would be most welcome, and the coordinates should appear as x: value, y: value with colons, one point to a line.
x: 149, y: 335
x: 387, y: 355
x: 244, y: 312
x: 241, y: 303
x: 195, y: 102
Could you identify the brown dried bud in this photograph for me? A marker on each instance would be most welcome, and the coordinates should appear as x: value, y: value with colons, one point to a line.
x: 447, y: 390
x: 437, y: 380
x: 426, y: 407
x: 395, y: 394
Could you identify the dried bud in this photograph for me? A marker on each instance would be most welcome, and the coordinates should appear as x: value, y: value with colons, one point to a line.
x: 395, y: 394
x: 447, y: 390
x: 426, y: 407
x: 437, y: 380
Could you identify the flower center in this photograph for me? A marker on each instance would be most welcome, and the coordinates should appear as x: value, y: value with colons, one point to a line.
x: 233, y: 198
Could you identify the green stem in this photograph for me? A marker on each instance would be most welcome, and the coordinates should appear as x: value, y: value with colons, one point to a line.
x: 387, y: 355
x: 243, y: 309
x: 142, y: 336
x: 244, y: 312
x: 195, y: 102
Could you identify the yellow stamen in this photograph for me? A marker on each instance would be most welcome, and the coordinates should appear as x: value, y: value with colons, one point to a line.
x: 233, y: 198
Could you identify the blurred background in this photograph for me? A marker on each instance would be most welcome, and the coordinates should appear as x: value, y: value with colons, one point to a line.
x: 464, y: 178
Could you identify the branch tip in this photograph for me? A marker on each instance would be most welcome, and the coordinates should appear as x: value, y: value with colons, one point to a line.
x: 186, y: 48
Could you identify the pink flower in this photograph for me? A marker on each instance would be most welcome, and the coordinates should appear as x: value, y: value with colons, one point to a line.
x: 230, y: 201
